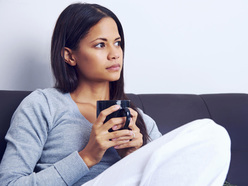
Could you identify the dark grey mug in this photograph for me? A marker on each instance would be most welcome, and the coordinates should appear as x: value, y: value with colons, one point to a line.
x: 122, y: 112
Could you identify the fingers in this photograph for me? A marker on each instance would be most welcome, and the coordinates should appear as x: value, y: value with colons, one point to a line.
x: 103, y: 114
x: 120, y: 125
x: 135, y: 142
x: 117, y: 127
x: 135, y: 139
x: 125, y: 138
x: 134, y: 132
x: 121, y: 135
x: 132, y: 124
x: 114, y: 123
x: 134, y: 114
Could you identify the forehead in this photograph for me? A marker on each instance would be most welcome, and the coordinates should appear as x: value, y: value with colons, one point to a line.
x: 105, y: 28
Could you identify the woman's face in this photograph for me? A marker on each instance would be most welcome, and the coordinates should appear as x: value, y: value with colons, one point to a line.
x: 99, y: 56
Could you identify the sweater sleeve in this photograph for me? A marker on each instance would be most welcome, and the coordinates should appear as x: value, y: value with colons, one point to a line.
x: 26, y: 137
x: 151, y: 126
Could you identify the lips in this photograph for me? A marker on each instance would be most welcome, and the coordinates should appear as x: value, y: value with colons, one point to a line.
x: 114, y: 67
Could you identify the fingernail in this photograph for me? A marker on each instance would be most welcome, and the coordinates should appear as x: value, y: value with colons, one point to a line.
x: 117, y: 107
x: 116, y: 147
x: 114, y: 127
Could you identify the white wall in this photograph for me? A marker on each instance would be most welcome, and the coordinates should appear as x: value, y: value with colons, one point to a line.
x: 179, y: 46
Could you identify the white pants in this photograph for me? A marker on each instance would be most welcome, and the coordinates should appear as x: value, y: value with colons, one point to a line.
x: 196, y: 154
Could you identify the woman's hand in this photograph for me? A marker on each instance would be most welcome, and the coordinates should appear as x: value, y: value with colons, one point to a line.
x: 101, y: 139
x: 136, y: 140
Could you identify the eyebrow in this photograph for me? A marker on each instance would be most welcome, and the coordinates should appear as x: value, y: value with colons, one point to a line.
x: 104, y: 39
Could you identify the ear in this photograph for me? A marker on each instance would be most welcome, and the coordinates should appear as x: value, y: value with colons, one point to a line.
x: 68, y: 57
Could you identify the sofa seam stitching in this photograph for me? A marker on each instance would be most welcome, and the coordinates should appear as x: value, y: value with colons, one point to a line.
x: 210, y: 115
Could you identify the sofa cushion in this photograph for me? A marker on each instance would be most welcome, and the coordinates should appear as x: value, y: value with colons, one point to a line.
x: 9, y: 102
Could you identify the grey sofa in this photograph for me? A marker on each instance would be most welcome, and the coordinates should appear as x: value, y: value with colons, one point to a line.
x: 171, y: 111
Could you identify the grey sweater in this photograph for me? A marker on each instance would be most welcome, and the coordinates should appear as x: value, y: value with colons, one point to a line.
x: 47, y: 131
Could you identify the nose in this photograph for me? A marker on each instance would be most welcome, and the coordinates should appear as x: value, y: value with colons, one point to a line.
x: 114, y: 53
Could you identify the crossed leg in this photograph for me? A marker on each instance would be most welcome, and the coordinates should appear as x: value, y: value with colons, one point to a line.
x: 197, y: 153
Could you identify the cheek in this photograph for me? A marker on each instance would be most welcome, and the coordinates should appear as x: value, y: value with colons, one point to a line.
x: 90, y: 64
x: 86, y: 59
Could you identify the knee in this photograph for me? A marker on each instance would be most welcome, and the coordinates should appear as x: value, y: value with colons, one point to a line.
x: 217, y: 140
x: 218, y: 133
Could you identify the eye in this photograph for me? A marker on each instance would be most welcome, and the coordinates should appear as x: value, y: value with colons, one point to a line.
x: 118, y: 43
x: 100, y: 45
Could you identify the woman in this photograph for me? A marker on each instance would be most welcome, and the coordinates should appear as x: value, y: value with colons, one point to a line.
x: 56, y: 139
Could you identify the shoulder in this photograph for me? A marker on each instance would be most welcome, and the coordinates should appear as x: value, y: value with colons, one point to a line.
x: 42, y: 101
x: 49, y: 99
x: 36, y: 102
x: 42, y: 105
x: 43, y: 97
x: 48, y: 93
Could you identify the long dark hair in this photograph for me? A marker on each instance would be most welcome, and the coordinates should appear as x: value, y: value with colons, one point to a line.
x: 73, y: 25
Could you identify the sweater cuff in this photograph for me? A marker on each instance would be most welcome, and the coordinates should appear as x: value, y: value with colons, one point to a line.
x: 71, y: 168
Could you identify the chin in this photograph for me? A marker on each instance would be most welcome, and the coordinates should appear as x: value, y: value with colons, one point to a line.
x: 112, y: 80
x: 114, y: 77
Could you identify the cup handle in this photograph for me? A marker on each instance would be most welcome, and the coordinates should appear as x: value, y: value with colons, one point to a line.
x: 128, y: 117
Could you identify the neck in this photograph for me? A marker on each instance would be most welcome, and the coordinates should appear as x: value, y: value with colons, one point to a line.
x: 90, y: 93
